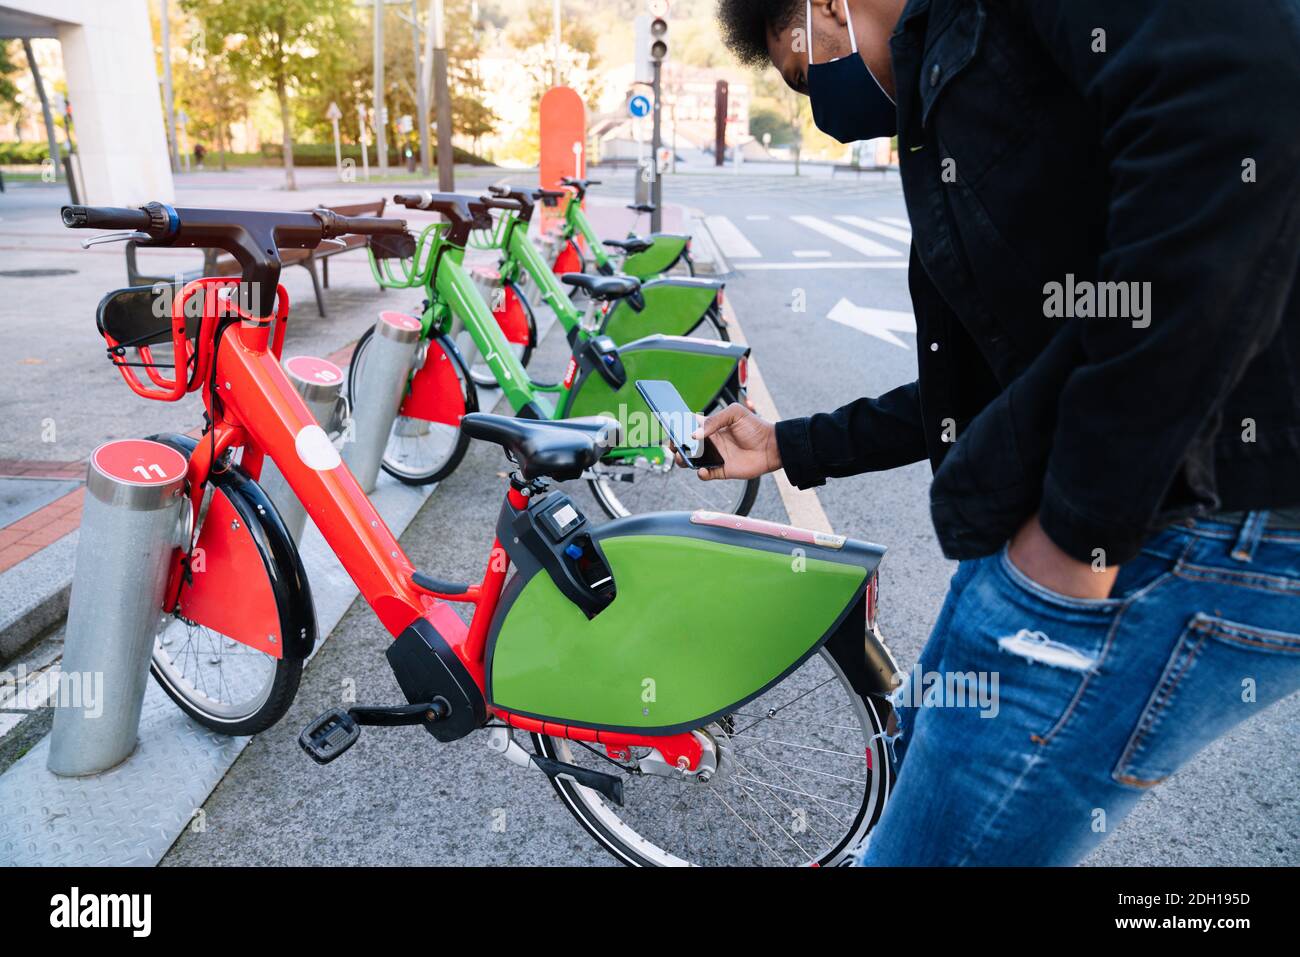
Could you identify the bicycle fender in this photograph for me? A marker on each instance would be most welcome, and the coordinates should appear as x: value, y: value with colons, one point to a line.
x: 272, y: 613
x: 437, y: 394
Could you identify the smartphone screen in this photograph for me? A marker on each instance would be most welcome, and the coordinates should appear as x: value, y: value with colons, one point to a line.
x: 679, y: 422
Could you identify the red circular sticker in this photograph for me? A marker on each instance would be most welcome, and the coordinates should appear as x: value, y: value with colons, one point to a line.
x: 314, y: 370
x: 400, y: 320
x: 139, y: 462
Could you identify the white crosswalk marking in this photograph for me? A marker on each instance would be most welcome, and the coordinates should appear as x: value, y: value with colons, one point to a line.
x: 880, y: 229
x: 894, y: 221
x: 859, y: 244
x: 730, y: 240
x: 811, y: 253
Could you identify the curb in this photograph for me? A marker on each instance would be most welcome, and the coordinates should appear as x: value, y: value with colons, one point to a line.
x: 41, y: 585
x: 711, y: 262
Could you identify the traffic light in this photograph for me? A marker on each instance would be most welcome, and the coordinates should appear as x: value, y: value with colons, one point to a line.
x: 658, y: 30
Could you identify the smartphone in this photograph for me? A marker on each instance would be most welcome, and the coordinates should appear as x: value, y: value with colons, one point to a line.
x: 679, y: 422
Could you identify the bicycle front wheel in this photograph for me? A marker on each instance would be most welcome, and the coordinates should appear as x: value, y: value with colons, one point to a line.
x: 633, y: 487
x: 803, y: 775
x: 419, y: 451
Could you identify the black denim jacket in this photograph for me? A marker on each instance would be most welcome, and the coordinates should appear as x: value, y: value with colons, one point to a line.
x: 1114, y: 141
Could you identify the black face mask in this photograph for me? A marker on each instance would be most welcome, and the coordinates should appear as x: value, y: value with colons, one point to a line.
x: 847, y: 102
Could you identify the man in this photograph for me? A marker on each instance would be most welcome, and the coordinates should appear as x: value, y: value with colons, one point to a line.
x: 1105, y: 206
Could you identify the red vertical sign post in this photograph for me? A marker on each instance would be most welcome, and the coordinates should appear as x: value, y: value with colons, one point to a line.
x: 562, y: 122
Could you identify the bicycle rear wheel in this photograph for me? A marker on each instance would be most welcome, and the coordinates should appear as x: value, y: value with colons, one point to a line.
x: 803, y: 775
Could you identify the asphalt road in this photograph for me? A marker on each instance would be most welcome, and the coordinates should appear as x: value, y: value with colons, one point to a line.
x: 400, y: 798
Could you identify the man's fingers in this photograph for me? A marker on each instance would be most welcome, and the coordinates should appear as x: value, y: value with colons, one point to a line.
x: 720, y: 420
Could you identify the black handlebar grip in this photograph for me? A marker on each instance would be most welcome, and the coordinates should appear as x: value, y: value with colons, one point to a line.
x: 106, y: 217
x: 502, y: 202
x: 332, y: 224
x: 411, y: 200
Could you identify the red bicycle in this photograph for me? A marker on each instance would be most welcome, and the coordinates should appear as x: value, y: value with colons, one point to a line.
x: 675, y: 727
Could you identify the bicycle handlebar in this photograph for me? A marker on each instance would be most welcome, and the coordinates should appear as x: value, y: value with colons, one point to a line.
x: 253, y: 237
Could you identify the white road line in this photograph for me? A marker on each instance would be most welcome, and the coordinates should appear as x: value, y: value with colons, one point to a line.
x: 838, y: 264
x: 812, y: 254
x: 881, y: 323
x: 802, y: 505
x: 729, y: 239
x: 894, y: 221
x: 859, y: 244
x: 758, y: 216
x: 880, y: 229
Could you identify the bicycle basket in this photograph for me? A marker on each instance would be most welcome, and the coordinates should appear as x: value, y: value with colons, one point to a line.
x: 393, y: 247
x: 489, y: 238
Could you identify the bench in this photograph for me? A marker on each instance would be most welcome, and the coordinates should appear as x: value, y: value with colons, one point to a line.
x: 219, y: 263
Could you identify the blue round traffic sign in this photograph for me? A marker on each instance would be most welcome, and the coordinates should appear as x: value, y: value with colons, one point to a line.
x: 639, y: 105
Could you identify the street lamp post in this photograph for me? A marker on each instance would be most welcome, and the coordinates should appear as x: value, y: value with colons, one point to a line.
x: 381, y: 135
x: 446, y: 169
x: 421, y: 89
x: 173, y: 151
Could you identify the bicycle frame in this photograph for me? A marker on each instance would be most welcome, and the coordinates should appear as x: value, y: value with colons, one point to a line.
x: 256, y: 408
x: 671, y: 306
x: 667, y: 248
x: 439, y: 265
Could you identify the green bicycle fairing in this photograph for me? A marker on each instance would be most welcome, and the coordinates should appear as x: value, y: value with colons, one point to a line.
x: 667, y: 249
x: 704, y: 618
x: 673, y: 306
x: 699, y: 368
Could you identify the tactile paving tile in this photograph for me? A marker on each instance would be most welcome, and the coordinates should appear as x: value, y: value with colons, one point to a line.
x: 130, y: 815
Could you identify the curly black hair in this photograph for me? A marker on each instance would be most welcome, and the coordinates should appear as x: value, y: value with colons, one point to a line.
x: 746, y: 24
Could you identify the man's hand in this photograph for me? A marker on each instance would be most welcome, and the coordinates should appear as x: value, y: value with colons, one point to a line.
x: 1039, y: 558
x: 746, y: 442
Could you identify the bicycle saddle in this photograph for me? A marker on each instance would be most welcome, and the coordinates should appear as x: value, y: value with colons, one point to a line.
x: 560, y: 450
x: 603, y: 288
x: 641, y: 207
x: 633, y: 244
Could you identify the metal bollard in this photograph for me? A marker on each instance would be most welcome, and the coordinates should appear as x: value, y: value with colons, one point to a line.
x: 129, y: 528
x: 389, y: 359
x: 320, y: 383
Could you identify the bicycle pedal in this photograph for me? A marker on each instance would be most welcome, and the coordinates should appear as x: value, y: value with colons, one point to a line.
x: 329, y: 735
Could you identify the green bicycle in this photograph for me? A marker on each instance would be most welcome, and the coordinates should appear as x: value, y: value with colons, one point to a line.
x: 639, y: 475
x: 643, y: 256
x: 673, y: 305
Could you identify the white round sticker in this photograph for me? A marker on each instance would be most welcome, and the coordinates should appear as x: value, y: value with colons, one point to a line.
x: 316, y: 450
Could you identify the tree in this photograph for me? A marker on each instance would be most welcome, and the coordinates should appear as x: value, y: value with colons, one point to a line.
x: 285, y: 46
x: 9, y: 66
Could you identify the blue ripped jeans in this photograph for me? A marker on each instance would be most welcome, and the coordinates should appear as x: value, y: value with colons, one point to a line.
x: 1073, y: 708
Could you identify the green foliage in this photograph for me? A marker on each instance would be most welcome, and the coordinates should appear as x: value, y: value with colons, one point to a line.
x: 322, y: 154
x: 765, y: 119
x: 24, y: 154
x: 282, y: 46
x: 10, y: 64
